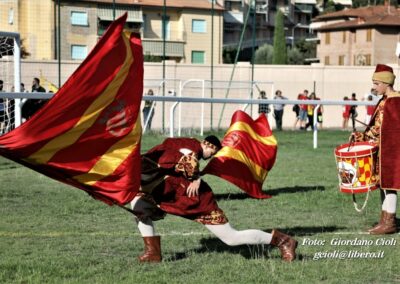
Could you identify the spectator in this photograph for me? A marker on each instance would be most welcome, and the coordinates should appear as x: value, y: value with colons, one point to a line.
x: 31, y: 106
x: 278, y: 110
x: 370, y: 110
x: 148, y: 111
x: 346, y: 114
x: 303, y: 110
x: 263, y: 108
x: 296, y: 109
x: 353, y: 111
x: 310, y: 113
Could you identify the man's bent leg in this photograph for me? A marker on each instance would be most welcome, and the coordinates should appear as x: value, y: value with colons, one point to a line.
x: 152, y: 243
x: 232, y: 237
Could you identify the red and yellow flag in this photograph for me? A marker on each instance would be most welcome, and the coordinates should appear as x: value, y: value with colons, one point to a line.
x: 247, y: 155
x: 88, y: 135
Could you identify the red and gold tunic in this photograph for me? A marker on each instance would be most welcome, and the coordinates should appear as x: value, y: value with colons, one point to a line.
x: 384, y: 130
x: 167, y: 171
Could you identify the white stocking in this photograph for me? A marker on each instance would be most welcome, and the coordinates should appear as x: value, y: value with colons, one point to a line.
x: 390, y: 203
x: 232, y: 237
x: 144, y: 223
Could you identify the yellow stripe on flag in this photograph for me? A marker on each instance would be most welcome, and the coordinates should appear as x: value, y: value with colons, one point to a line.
x: 113, y: 158
x: 258, y: 172
x: 44, y: 154
x: 242, y: 126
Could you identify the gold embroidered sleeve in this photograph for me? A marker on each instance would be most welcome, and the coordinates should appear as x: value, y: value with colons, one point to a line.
x: 373, y: 133
x: 188, y: 165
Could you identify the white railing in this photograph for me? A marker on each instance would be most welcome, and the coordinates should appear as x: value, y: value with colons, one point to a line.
x: 177, y: 100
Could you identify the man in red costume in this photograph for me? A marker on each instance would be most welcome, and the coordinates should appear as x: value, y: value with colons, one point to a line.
x: 384, y: 130
x: 171, y: 183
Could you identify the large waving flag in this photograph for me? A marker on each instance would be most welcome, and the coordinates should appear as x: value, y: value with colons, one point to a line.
x: 247, y: 155
x: 88, y: 134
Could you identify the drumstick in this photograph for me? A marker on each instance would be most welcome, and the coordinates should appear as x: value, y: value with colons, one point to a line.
x: 359, y: 121
x: 351, y: 143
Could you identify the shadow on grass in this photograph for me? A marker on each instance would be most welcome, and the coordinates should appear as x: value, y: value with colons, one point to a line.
x: 309, y: 231
x: 273, y: 192
x: 209, y: 245
x: 214, y: 245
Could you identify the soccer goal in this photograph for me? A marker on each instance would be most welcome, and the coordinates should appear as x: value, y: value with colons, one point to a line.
x: 10, y: 76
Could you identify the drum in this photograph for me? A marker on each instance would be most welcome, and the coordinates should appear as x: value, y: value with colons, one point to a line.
x: 356, y: 167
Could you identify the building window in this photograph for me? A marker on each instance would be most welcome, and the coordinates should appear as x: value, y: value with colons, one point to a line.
x: 199, y: 26
x: 167, y: 28
x: 368, y: 59
x: 11, y: 16
x: 78, y: 52
x: 326, y: 60
x: 328, y: 38
x: 341, y: 60
x: 198, y: 57
x: 344, y: 37
x: 369, y: 35
x: 144, y: 25
x: 79, y: 19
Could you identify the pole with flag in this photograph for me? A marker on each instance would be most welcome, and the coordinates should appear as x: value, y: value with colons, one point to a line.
x: 88, y: 135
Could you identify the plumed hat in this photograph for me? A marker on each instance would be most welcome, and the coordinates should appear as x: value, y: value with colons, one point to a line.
x: 384, y: 73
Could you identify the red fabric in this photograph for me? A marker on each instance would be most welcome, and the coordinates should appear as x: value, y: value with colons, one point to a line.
x: 226, y: 164
x: 389, y: 148
x: 370, y: 110
x: 383, y: 68
x: 167, y: 154
x: 346, y: 111
x: 107, y: 116
x: 171, y: 195
x: 303, y: 97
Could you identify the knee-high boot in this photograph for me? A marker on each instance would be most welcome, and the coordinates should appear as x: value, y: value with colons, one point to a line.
x: 286, y: 244
x: 152, y: 250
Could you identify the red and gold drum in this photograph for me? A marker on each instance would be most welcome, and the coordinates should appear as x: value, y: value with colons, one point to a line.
x: 356, y: 167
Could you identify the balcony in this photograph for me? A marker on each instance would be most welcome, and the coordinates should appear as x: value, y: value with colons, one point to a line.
x: 173, y: 48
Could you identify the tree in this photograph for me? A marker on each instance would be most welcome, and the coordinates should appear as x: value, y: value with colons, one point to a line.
x: 279, y: 40
x: 295, y: 57
x: 151, y: 58
x: 264, y: 54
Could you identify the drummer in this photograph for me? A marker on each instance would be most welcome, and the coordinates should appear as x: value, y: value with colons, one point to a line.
x: 384, y: 130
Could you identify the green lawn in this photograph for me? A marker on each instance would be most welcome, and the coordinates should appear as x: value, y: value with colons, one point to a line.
x: 53, y: 233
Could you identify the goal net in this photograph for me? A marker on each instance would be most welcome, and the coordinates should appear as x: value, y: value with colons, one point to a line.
x: 10, y: 80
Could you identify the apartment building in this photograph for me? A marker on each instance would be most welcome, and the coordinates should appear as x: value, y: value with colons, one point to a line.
x: 34, y: 21
x: 189, y: 35
x: 363, y: 36
x: 261, y: 15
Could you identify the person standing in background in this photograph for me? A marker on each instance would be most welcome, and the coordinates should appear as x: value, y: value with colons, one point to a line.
x: 303, y: 110
x: 353, y: 112
x: 148, y: 111
x: 278, y: 110
x: 263, y: 108
x: 345, y: 114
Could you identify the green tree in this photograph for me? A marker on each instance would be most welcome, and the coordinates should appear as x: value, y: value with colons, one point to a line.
x: 151, y: 58
x: 295, y: 57
x: 279, y: 40
x: 264, y: 54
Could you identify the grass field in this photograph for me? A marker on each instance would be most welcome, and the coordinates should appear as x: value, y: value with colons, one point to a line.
x: 52, y: 233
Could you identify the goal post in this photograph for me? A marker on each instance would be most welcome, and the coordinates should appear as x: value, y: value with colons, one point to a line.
x: 10, y: 74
